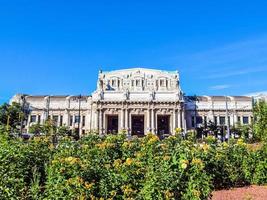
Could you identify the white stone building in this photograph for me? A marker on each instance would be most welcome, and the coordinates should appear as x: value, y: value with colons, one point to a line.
x: 137, y: 101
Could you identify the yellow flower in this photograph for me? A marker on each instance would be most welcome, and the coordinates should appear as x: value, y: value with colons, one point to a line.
x: 72, y: 160
x: 88, y: 185
x: 196, y: 193
x: 240, y: 142
x: 117, y: 163
x: 198, y: 162
x: 206, y: 147
x: 51, y: 147
x: 127, y: 190
x: 168, y: 194
x: 166, y: 158
x: 184, y: 163
x: 152, y: 139
x: 225, y: 145
x: 129, y: 161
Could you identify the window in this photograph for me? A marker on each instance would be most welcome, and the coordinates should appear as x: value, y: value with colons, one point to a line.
x: 39, y: 119
x: 205, y: 121
x: 193, y: 121
x: 113, y: 83
x: 33, y: 118
x: 245, y: 120
x: 222, y: 120
x: 83, y: 122
x: 132, y: 83
x: 71, y: 120
x: 238, y: 119
x: 76, y: 120
x: 161, y: 83
x: 138, y: 83
x: 199, y: 120
x: 61, y: 120
x: 55, y: 118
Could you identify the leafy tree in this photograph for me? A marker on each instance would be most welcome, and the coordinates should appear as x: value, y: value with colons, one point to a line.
x: 36, y: 129
x: 260, y: 125
x: 63, y: 130
x: 11, y: 115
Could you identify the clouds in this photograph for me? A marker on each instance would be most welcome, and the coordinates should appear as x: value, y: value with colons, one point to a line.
x: 234, y: 68
x: 219, y: 87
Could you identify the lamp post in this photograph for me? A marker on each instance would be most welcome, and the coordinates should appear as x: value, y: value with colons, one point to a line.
x: 79, y: 98
x: 23, y: 112
x: 227, y: 121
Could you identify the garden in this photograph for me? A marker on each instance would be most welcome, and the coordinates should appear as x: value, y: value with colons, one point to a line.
x: 58, y: 166
x: 114, y: 167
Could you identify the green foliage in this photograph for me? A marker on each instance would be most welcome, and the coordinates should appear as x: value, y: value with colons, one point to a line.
x: 36, y: 129
x: 18, y: 159
x: 113, y: 167
x: 260, y: 125
x: 11, y: 115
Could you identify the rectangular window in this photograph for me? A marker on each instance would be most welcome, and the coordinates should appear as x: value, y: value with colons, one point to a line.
x: 205, y: 121
x: 245, y: 120
x: 83, y: 123
x: 138, y: 83
x: 76, y: 120
x: 238, y: 119
x: 55, y: 119
x: 33, y: 118
x: 71, y: 120
x: 193, y: 121
x: 161, y: 83
x: 222, y: 120
x: 215, y: 120
x: 39, y: 119
x: 61, y: 120
x: 199, y: 120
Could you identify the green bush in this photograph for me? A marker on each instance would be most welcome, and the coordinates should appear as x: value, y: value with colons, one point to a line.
x: 113, y: 167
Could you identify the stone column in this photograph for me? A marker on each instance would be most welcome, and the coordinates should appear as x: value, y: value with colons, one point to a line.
x: 148, y: 120
x: 179, y: 118
x: 173, y: 120
x: 126, y: 120
x: 100, y: 122
x: 122, y: 119
x: 153, y: 121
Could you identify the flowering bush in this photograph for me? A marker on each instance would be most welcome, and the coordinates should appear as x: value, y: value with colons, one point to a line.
x: 114, y: 167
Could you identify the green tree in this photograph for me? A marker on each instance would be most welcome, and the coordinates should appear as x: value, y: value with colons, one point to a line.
x: 11, y: 115
x: 36, y: 129
x: 63, y: 130
x: 260, y: 123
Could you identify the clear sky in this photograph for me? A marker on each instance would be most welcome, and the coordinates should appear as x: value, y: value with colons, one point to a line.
x: 58, y: 46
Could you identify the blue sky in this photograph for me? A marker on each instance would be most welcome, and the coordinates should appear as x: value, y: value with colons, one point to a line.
x: 57, y: 47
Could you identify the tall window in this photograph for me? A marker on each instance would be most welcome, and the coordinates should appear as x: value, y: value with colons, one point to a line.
x: 138, y: 83
x: 76, y: 120
x: 222, y: 120
x: 83, y: 121
x: 55, y: 118
x: 161, y: 83
x: 33, y: 118
x: 193, y: 121
x: 245, y: 120
x: 61, y: 120
x: 39, y: 119
x: 71, y: 120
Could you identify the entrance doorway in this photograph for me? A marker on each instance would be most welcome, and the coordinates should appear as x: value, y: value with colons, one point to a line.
x: 163, y: 122
x: 138, y: 125
x: 112, y: 124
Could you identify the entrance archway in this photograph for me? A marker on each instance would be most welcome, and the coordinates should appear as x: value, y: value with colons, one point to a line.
x: 138, y: 125
x: 163, y: 125
x: 112, y: 124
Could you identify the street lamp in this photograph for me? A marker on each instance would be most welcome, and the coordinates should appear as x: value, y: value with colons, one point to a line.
x: 79, y: 98
x: 23, y: 99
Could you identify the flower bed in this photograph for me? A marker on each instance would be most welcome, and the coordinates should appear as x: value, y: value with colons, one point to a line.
x: 142, y: 168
